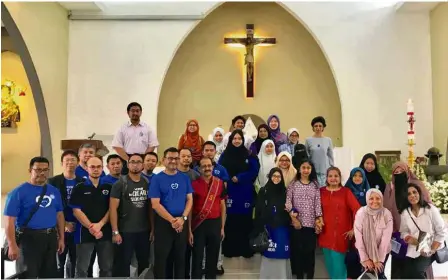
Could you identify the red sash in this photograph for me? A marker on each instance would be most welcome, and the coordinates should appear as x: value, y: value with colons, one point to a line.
x: 207, y: 207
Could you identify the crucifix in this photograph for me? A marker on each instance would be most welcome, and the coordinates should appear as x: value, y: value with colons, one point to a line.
x: 249, y: 42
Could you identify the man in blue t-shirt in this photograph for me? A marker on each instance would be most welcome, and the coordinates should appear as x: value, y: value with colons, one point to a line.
x: 65, y: 183
x: 38, y: 243
x: 171, y: 198
x: 209, y: 150
x: 114, y: 165
x: 85, y: 152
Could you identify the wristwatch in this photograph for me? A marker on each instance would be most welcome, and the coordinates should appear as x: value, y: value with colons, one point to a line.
x: 184, y: 217
x: 115, y: 233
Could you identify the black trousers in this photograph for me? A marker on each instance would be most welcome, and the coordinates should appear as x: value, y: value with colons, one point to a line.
x: 137, y: 242
x: 38, y: 254
x: 70, y: 251
x: 416, y: 268
x: 207, y: 235
x: 398, y: 267
x: 91, y: 264
x: 303, y: 242
x: 166, y: 239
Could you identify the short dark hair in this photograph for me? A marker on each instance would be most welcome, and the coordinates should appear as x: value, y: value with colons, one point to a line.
x: 239, y: 117
x: 86, y: 146
x: 110, y: 157
x: 133, y: 104
x: 136, y: 155
x: 319, y: 119
x: 186, y: 149
x: 151, y: 154
x: 69, y: 153
x: 208, y: 143
x: 204, y: 158
x: 170, y: 150
x: 38, y: 160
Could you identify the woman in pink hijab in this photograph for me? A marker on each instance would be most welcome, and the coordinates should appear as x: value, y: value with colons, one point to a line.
x: 396, y: 194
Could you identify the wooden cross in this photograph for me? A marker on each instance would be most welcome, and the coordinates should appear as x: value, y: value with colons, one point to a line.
x: 249, y: 42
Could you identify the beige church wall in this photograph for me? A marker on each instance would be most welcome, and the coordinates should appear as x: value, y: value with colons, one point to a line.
x: 17, y: 147
x: 439, y: 51
x: 44, y: 28
x: 379, y: 57
x: 205, y: 78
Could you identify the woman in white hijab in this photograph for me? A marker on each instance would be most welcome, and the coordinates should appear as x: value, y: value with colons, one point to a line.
x: 293, y: 139
x: 266, y: 156
x: 217, y: 137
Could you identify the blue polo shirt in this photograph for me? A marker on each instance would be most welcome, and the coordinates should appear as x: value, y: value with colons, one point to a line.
x: 218, y: 171
x: 23, y: 199
x: 109, y: 179
x: 172, y: 191
x: 82, y: 173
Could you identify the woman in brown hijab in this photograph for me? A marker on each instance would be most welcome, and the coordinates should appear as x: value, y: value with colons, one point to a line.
x: 192, y: 140
x: 396, y: 194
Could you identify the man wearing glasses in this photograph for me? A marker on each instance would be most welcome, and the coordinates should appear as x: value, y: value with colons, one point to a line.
x: 172, y: 199
x: 65, y: 183
x: 129, y: 216
x: 90, y: 204
x: 35, y: 210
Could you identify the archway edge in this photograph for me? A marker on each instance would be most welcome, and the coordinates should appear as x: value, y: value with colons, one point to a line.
x: 33, y: 79
x: 286, y: 7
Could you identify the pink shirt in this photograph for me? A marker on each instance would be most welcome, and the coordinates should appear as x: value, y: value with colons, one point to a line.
x: 383, y: 234
x: 135, y: 139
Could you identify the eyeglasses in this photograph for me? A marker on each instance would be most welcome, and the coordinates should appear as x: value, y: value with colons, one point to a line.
x: 70, y: 160
x: 95, y: 166
x: 135, y: 162
x: 38, y: 170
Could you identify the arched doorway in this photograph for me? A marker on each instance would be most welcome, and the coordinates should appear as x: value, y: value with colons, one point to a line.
x: 205, y: 78
x: 21, y: 49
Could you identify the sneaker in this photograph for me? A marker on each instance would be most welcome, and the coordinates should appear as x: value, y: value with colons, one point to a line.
x: 220, y: 271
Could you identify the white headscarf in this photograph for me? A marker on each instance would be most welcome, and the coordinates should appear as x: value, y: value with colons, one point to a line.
x: 219, y: 145
x: 267, y: 162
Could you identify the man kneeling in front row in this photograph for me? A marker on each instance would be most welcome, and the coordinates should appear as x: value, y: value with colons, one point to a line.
x: 206, y: 229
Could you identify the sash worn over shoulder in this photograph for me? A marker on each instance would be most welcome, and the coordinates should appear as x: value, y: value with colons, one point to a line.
x: 207, y: 207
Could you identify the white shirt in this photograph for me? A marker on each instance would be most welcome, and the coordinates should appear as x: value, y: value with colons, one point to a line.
x: 428, y: 220
x: 247, y: 140
x: 135, y: 138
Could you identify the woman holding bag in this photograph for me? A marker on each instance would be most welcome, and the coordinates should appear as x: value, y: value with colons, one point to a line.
x: 373, y: 231
x: 270, y: 214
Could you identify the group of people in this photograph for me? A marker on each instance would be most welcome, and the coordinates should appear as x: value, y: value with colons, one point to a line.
x: 210, y: 199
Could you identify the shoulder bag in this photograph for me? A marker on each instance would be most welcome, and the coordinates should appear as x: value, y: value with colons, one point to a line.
x: 19, y: 231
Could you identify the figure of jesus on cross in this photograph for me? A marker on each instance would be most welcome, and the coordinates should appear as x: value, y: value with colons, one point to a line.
x: 249, y: 42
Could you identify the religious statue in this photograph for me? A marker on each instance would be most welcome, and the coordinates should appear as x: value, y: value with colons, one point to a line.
x: 434, y: 171
x: 249, y: 58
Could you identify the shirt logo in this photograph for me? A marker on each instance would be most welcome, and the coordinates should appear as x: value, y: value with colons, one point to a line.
x: 175, y: 186
x: 216, y: 172
x: 141, y: 134
x: 246, y: 205
x: 46, y: 200
x: 105, y: 192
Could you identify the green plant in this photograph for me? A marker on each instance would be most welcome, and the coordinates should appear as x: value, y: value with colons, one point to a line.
x: 439, y: 194
x: 385, y: 169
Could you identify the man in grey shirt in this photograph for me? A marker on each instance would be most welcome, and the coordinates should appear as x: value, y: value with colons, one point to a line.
x: 129, y: 215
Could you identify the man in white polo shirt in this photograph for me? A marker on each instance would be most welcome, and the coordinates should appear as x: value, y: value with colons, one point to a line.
x: 134, y: 137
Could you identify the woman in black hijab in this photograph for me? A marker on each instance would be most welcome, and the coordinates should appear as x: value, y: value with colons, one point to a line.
x: 263, y: 134
x: 370, y: 166
x: 270, y: 213
x: 243, y: 170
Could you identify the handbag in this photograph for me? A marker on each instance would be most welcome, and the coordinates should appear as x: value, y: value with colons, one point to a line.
x: 260, y: 243
x: 441, y: 256
x: 19, y: 231
x: 368, y: 275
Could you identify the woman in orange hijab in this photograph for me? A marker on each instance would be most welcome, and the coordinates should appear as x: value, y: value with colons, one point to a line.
x: 192, y: 140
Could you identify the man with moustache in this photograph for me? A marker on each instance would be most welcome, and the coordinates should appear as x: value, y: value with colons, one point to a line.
x: 219, y: 171
x: 129, y: 216
x: 65, y: 183
x: 114, y: 165
x: 149, y: 163
x: 207, y: 220
x: 134, y: 137
x: 34, y: 213
x: 171, y: 198
x: 90, y: 204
